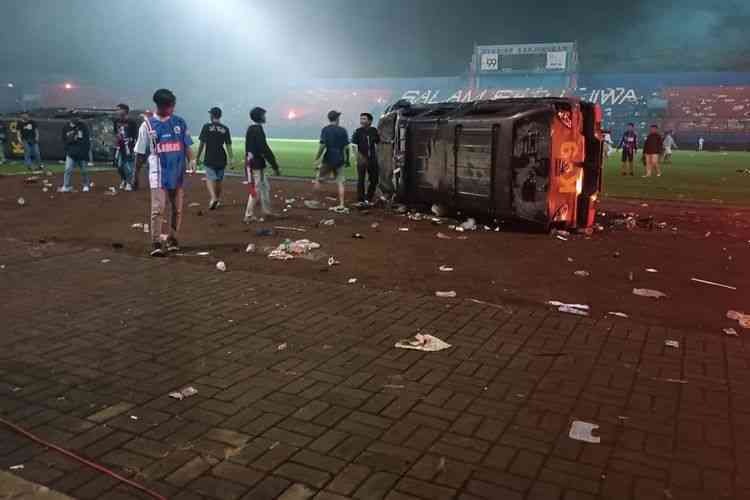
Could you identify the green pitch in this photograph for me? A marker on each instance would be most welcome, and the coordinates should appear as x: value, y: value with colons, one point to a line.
x: 692, y: 176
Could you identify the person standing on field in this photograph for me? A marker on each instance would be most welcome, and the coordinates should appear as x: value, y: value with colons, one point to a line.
x: 214, y: 138
x: 652, y: 150
x: 3, y: 140
x: 165, y: 136
x: 629, y: 146
x: 126, y: 134
x: 258, y: 155
x: 366, y: 139
x: 333, y: 149
x: 77, y: 140
x: 701, y: 142
x: 28, y: 135
x: 669, y: 144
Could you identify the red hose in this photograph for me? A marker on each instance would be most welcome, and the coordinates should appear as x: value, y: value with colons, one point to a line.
x: 82, y: 460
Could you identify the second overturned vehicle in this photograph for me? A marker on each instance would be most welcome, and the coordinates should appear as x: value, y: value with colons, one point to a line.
x: 536, y: 160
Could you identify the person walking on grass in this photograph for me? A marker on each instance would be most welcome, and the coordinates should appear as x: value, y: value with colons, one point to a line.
x: 652, y: 150
x: 333, y: 149
x: 216, y: 140
x: 365, y: 140
x: 28, y: 135
x: 77, y: 140
x: 126, y: 134
x: 258, y: 156
x: 669, y: 144
x: 165, y: 136
x: 701, y: 143
x: 629, y: 146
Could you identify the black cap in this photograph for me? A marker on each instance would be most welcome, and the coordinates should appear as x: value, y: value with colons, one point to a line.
x: 124, y: 107
x: 258, y: 115
x: 215, y: 112
x: 333, y: 115
x: 164, y: 98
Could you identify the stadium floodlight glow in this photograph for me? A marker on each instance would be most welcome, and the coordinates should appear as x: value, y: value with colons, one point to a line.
x: 10, y: 85
x: 68, y: 86
x: 291, y: 115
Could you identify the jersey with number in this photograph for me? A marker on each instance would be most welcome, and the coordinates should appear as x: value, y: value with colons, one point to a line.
x: 172, y: 140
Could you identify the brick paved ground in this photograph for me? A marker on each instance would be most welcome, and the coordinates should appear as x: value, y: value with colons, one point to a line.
x: 90, y: 350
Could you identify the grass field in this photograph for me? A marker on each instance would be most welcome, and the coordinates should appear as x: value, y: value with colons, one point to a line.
x: 693, y: 176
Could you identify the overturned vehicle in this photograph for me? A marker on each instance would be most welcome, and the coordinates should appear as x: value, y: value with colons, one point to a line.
x: 535, y: 160
x: 51, y: 122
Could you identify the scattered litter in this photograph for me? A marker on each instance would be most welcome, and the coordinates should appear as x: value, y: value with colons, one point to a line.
x: 17, y: 467
x: 333, y: 262
x: 651, y: 270
x: 339, y: 210
x: 571, y: 260
x: 583, y: 431
x: 105, y: 261
x: 194, y: 204
x: 352, y: 281
x: 446, y: 269
x: 112, y: 189
x: 582, y: 274
x: 577, y: 309
x: 374, y: 225
x: 221, y: 266
x: 645, y: 292
x: 134, y: 417
x: 331, y: 198
x: 264, y: 231
x: 282, y: 346
x: 290, y: 201
x: 415, y: 216
x: 423, y: 342
x: 393, y: 386
x: 21, y: 201
x: 713, y: 283
x: 403, y: 229
x: 441, y: 465
x: 631, y: 276
x: 287, y: 228
x: 670, y: 380
x: 274, y: 445
x: 469, y: 225
x: 203, y: 254
x: 328, y: 222
x: 561, y: 238
x: 672, y: 343
x: 438, y: 210
x: 250, y: 248
x: 358, y: 236
x: 446, y: 295
x: 742, y: 318
x: 731, y: 332
x: 32, y: 179
x: 462, y: 238
x: 560, y: 234
x: 443, y: 236
x: 184, y: 393
x: 290, y: 249
x: 277, y: 254
x: 618, y: 314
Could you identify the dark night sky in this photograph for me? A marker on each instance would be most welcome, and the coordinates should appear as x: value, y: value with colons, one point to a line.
x: 104, y: 41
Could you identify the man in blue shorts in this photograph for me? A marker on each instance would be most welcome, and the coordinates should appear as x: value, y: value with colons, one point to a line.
x: 214, y: 138
x: 165, y: 136
x: 334, y: 142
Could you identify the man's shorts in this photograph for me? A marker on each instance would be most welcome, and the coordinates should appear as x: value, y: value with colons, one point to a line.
x: 327, y: 171
x: 628, y: 155
x: 214, y: 174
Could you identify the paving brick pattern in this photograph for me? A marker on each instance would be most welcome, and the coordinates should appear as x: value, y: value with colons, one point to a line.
x: 90, y: 350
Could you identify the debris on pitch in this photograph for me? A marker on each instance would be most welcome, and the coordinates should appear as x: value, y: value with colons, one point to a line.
x: 423, y: 342
x: 583, y: 431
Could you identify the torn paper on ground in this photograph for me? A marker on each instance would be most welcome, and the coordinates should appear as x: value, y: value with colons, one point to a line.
x: 423, y: 342
x: 583, y: 431
x: 184, y: 393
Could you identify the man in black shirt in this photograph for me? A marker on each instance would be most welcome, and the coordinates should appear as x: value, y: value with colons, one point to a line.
x: 3, y: 140
x: 126, y: 134
x: 214, y: 138
x: 28, y: 135
x: 257, y: 155
x: 366, y: 139
x: 77, y: 140
x: 334, y: 150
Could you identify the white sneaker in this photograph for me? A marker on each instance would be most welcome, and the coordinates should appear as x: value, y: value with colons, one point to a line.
x: 63, y: 189
x: 122, y: 184
x: 128, y: 187
x: 86, y: 189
